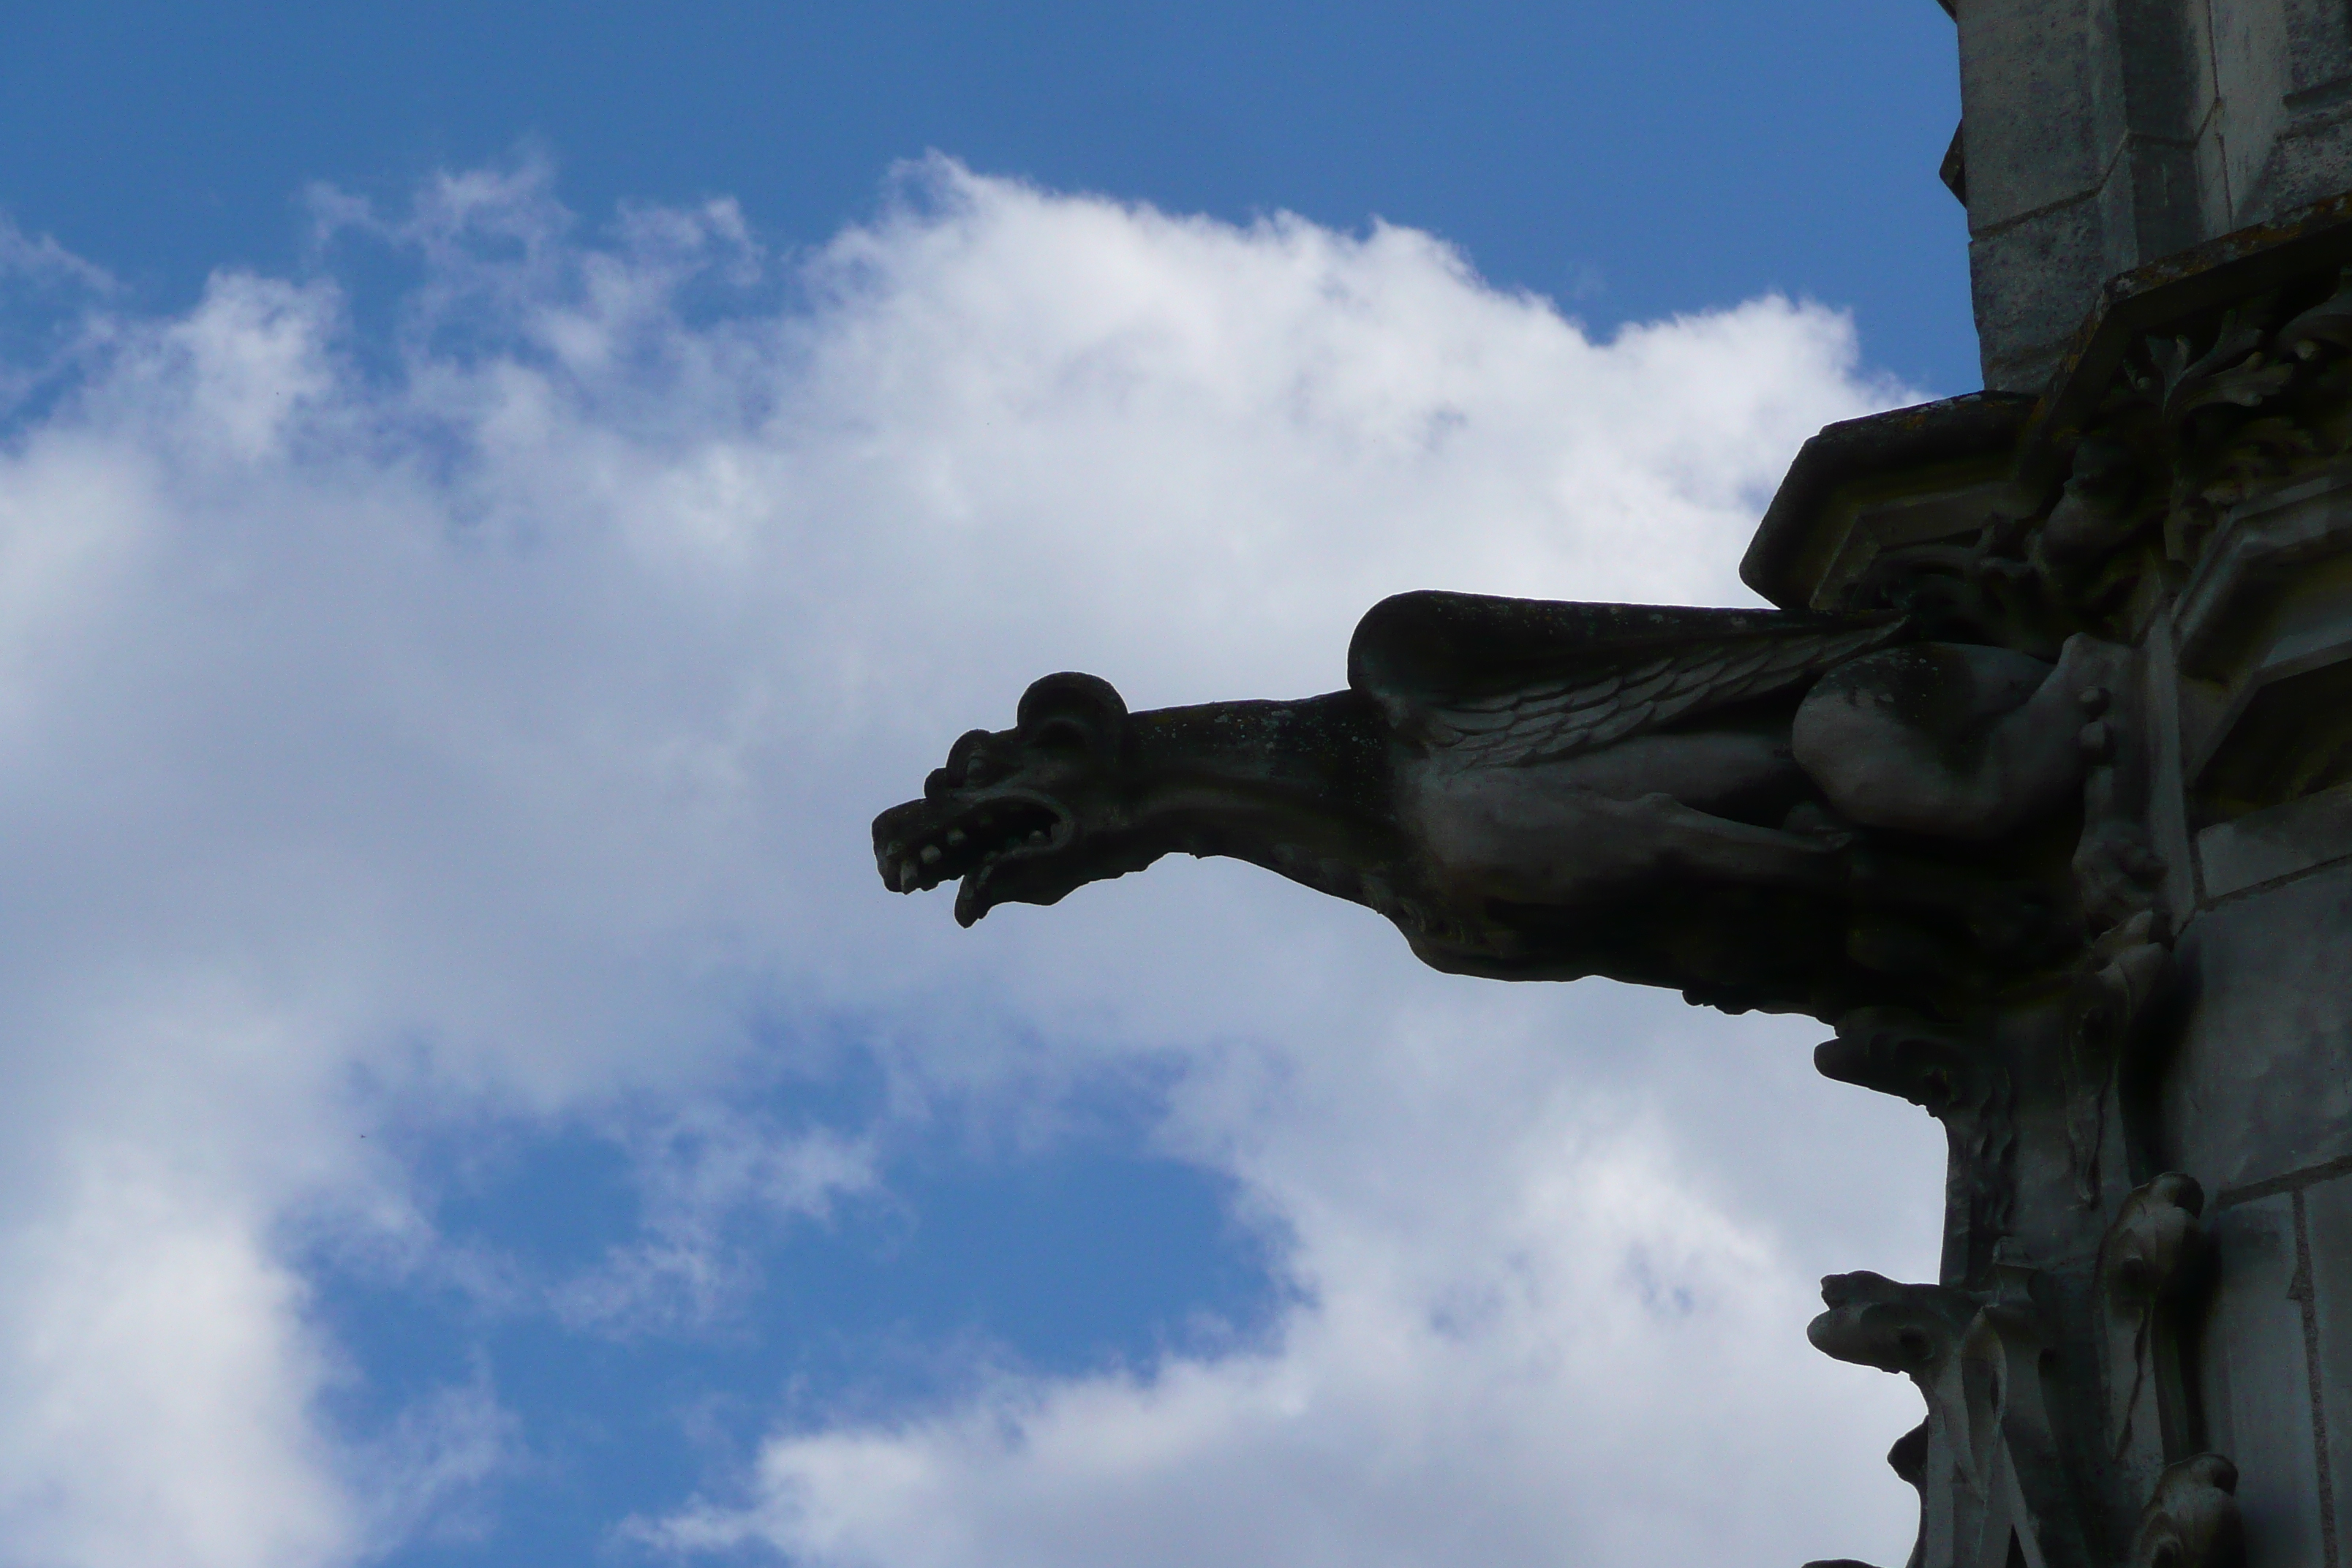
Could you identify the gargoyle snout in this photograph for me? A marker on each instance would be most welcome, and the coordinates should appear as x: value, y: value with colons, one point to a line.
x: 917, y: 847
x: 998, y: 815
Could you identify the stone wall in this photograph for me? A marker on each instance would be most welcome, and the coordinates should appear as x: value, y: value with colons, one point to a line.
x: 2099, y: 135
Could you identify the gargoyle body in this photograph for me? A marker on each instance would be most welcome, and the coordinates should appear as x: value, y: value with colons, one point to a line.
x: 1758, y: 808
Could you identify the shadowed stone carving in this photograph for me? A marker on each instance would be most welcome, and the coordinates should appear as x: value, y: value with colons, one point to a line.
x: 1962, y: 1080
x: 2036, y: 788
x: 1758, y: 809
x: 1989, y: 1461
x: 2192, y: 1520
x: 2156, y: 1248
x: 2153, y: 1264
x: 1914, y: 1330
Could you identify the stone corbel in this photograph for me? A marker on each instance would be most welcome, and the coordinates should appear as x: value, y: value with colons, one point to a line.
x: 1916, y: 1331
x: 2118, y: 878
x: 1990, y: 1469
x: 2191, y: 1520
x: 2154, y: 1260
x: 1962, y: 1079
x: 1876, y: 1321
x: 2117, y: 872
x: 2027, y: 1492
x: 2156, y: 1249
x: 2114, y: 984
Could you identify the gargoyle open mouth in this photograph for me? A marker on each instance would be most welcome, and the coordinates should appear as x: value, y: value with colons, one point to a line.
x: 978, y: 838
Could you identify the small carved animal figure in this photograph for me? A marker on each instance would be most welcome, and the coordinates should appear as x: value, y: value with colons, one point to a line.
x: 1530, y: 789
x: 2192, y: 1520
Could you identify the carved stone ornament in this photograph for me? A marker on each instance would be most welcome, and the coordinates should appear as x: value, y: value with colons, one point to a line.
x: 1989, y: 1461
x: 2153, y: 1265
x: 2051, y: 680
x: 1757, y: 809
x: 1910, y: 1328
x: 2156, y: 1248
x: 2192, y: 1520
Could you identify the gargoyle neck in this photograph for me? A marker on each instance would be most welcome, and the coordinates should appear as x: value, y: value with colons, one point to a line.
x: 1300, y: 788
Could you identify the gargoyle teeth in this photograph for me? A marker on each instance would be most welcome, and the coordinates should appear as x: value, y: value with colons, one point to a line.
x: 946, y: 853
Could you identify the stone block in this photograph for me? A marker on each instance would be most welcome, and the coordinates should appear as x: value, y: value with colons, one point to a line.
x: 2318, y: 47
x: 2310, y: 158
x: 2257, y: 1390
x: 2258, y: 1088
x: 2251, y: 76
x: 2031, y: 281
x: 2265, y: 636
x: 2328, y: 1242
x: 2281, y: 841
x: 2024, y: 95
x: 2102, y: 135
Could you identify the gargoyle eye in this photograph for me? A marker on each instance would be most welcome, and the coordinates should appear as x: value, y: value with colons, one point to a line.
x: 965, y: 766
x: 961, y: 755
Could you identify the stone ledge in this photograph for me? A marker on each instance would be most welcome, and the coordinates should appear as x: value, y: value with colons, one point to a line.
x: 2277, y: 843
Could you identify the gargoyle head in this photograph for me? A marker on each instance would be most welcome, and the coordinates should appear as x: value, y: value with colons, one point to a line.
x: 1874, y: 1321
x: 1024, y: 814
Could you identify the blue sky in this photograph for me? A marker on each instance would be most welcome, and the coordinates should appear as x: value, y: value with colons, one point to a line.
x: 1630, y: 162
x: 492, y: 497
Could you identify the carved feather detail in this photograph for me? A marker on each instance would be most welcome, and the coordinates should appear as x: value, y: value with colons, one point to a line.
x: 1513, y: 683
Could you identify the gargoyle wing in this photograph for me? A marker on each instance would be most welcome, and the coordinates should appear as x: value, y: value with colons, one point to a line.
x: 1509, y: 682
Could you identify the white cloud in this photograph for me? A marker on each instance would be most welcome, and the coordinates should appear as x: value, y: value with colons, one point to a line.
x: 494, y: 736
x: 155, y: 1381
x: 700, y: 1169
x: 1529, y: 1341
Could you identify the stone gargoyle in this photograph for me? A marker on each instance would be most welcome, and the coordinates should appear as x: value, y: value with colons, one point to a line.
x: 1757, y: 807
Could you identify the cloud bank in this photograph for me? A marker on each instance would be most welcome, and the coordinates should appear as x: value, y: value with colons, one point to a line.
x: 473, y: 724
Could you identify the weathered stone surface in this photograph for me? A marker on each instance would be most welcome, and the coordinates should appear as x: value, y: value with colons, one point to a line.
x: 1757, y: 809
x: 2257, y: 1087
x: 2327, y: 1244
x: 2256, y: 1383
x: 2155, y: 1266
x: 2023, y: 316
x: 2194, y: 1519
x: 1857, y: 488
x: 2037, y: 789
x: 2278, y: 841
x: 2100, y: 135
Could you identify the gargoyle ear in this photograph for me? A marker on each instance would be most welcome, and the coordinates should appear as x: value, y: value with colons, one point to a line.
x: 1085, y: 705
